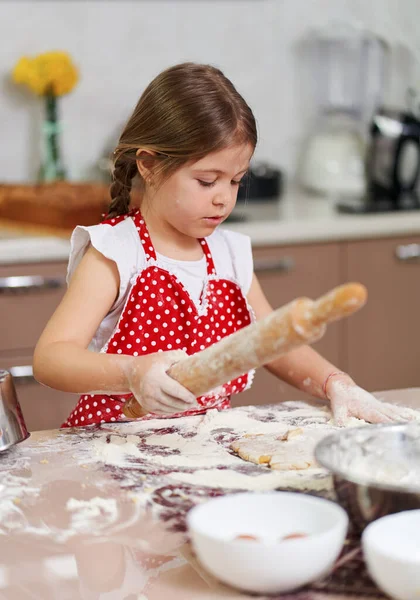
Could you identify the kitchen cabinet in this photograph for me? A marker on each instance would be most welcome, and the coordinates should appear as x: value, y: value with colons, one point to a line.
x: 28, y: 296
x: 382, y: 341
x: 286, y: 273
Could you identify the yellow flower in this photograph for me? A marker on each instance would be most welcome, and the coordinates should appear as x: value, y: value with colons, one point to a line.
x: 50, y: 72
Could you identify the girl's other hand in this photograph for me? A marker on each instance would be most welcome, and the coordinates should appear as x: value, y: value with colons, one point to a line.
x: 349, y: 400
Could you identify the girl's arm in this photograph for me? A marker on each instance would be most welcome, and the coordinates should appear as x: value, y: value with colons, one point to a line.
x: 61, y: 359
x: 304, y: 368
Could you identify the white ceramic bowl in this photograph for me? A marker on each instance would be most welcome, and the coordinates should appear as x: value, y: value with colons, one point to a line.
x: 391, y: 546
x: 270, y: 565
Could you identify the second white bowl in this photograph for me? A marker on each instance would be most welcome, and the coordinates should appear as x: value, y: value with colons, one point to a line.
x: 391, y: 546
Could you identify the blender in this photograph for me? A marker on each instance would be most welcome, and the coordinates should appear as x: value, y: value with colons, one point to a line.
x: 344, y: 69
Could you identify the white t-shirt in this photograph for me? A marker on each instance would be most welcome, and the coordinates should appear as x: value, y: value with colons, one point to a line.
x: 231, y: 252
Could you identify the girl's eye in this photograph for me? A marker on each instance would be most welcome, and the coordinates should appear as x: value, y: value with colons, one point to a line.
x: 206, y: 183
x: 239, y: 183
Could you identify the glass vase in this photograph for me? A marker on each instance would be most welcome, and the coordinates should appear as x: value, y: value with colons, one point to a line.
x: 52, y: 168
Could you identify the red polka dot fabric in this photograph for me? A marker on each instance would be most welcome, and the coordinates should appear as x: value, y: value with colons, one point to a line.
x: 159, y: 316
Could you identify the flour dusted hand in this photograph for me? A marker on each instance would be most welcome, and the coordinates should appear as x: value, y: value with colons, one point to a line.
x: 155, y: 390
x: 349, y: 400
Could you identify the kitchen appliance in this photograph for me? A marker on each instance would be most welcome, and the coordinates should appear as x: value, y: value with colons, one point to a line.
x: 262, y: 183
x: 12, y: 424
x: 392, y: 164
x: 375, y: 469
x: 345, y: 68
x: 302, y: 321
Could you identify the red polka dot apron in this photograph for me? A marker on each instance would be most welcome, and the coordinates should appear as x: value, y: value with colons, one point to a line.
x: 159, y: 315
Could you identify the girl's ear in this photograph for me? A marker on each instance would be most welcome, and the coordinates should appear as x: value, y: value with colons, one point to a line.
x: 146, y: 161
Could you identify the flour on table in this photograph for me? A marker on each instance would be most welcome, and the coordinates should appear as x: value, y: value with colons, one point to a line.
x: 116, y: 449
x: 90, y: 513
x: 13, y: 490
x: 265, y: 481
x: 196, y: 450
x: 203, y: 450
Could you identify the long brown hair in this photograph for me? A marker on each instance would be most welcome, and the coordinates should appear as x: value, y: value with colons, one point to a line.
x: 185, y: 113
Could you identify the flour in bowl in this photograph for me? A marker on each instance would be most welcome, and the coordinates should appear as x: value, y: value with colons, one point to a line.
x: 383, y: 455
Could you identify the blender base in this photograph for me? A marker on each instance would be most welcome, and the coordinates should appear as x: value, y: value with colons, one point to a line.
x: 372, y: 204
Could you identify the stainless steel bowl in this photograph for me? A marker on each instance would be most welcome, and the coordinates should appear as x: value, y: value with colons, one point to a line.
x: 12, y: 424
x: 375, y: 469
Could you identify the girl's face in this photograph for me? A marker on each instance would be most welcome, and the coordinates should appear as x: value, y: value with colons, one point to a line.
x: 201, y: 195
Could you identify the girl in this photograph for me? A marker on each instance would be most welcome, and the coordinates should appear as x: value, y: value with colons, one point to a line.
x: 153, y: 284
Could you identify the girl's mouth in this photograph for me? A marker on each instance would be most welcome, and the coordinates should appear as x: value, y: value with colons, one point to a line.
x: 214, y: 220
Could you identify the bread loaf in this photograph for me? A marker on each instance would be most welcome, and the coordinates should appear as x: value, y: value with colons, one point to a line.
x: 61, y: 204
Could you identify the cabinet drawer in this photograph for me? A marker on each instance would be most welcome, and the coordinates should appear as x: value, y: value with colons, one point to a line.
x: 29, y: 294
x: 42, y: 407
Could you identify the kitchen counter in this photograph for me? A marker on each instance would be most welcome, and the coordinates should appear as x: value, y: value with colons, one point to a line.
x: 301, y: 219
x: 100, y: 512
x: 29, y: 249
x: 296, y: 219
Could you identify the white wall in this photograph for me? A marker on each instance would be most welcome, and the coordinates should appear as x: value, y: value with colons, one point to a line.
x: 120, y: 45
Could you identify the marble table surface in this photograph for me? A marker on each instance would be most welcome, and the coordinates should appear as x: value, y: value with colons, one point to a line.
x: 99, y: 512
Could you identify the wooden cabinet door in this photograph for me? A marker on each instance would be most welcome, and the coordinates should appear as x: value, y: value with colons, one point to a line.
x: 42, y: 407
x: 384, y: 337
x: 286, y: 273
x: 29, y: 294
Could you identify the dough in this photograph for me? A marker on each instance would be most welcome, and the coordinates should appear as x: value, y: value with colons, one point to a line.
x: 292, y: 451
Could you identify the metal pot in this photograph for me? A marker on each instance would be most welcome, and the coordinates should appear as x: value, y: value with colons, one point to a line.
x: 12, y: 424
x: 375, y: 470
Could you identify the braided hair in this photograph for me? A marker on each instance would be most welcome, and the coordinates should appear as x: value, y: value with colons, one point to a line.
x: 125, y: 169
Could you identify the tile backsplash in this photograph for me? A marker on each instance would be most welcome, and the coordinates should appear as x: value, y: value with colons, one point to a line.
x: 121, y: 45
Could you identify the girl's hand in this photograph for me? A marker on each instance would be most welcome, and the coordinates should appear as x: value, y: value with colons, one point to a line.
x: 349, y: 400
x: 155, y: 390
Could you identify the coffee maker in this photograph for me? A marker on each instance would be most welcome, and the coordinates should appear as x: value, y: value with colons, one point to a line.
x: 393, y: 162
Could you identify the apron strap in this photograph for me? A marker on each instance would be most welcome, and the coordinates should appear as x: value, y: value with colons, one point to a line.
x: 149, y: 249
x: 145, y: 239
x: 211, y: 269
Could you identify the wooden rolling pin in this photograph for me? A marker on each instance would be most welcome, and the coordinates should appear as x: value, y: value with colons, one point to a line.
x: 302, y: 321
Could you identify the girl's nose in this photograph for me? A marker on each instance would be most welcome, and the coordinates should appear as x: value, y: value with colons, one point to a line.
x: 220, y: 199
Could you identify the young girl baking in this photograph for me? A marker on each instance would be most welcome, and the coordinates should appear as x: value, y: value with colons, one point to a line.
x: 153, y: 284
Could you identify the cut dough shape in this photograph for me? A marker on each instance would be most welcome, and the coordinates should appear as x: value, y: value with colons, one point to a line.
x: 292, y: 451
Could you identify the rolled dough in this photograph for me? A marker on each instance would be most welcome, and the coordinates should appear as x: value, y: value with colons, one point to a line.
x: 292, y: 451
